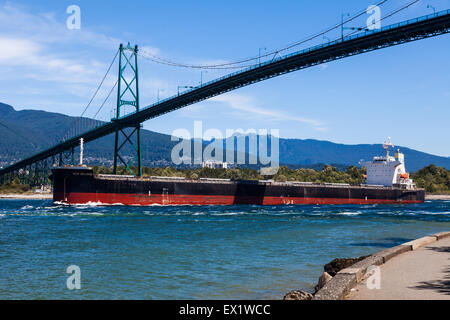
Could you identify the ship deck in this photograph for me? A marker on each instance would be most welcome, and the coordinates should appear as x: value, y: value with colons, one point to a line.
x: 229, y: 181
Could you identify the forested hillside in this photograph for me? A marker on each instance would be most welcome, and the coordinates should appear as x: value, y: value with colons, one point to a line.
x: 26, y: 132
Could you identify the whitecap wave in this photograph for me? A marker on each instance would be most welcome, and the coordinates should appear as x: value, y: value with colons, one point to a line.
x: 61, y: 203
x: 433, y: 213
x: 350, y: 213
x: 228, y: 213
x: 93, y: 213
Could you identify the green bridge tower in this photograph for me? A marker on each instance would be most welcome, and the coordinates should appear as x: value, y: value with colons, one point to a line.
x: 128, y: 95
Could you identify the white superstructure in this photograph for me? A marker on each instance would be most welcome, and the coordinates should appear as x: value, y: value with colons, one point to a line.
x: 388, y: 171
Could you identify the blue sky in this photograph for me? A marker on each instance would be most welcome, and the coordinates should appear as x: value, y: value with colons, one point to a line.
x: 402, y: 92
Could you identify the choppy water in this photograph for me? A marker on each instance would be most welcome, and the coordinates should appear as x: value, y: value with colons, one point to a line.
x: 236, y: 252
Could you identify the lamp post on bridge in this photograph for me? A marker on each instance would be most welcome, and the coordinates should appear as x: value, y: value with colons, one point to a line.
x: 159, y: 90
x: 201, y: 76
x: 259, y: 54
x: 431, y: 7
x: 342, y: 24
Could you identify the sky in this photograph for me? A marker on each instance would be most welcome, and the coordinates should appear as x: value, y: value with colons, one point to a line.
x: 402, y: 92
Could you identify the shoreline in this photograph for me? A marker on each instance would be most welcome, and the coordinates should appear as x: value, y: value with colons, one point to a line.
x: 33, y: 196
x: 437, y: 196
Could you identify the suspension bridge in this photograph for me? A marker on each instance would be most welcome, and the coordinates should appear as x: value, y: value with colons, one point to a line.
x: 360, y: 41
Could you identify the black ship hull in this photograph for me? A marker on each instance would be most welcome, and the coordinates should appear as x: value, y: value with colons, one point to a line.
x: 78, y: 185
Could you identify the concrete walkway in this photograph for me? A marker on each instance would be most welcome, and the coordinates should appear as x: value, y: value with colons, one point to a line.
x: 420, y: 274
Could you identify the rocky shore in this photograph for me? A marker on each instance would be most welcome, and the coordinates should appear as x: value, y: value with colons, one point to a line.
x: 329, y: 271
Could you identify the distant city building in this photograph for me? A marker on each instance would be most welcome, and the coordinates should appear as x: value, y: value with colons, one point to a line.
x: 214, y: 164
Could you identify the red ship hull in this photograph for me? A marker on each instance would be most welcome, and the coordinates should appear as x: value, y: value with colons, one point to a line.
x: 159, y: 199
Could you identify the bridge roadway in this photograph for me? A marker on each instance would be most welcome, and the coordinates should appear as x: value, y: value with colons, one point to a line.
x: 399, y: 33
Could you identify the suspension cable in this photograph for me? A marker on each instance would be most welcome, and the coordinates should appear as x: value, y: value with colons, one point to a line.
x: 93, y: 97
x: 231, y: 65
x: 101, y: 83
x: 106, y: 99
x: 387, y: 16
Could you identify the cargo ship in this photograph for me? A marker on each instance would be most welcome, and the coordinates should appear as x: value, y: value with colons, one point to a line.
x: 387, y: 182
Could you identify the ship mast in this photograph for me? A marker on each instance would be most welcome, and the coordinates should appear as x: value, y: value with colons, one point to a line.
x: 386, y: 146
x: 81, y: 151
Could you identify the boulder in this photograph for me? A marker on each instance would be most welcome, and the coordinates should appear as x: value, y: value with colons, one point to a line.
x: 324, y: 278
x: 338, y: 264
x: 298, y: 295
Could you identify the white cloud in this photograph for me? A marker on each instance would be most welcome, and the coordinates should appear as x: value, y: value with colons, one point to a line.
x: 21, y: 52
x: 16, y: 51
x: 246, y: 105
x: 29, y: 47
x: 149, y: 50
x: 45, y: 28
x: 44, y: 49
x: 62, y: 67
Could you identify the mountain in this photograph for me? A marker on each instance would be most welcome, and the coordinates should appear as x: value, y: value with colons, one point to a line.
x: 26, y: 132
x: 294, y: 151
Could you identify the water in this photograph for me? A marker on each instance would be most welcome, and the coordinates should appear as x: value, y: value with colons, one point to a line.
x: 236, y: 252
